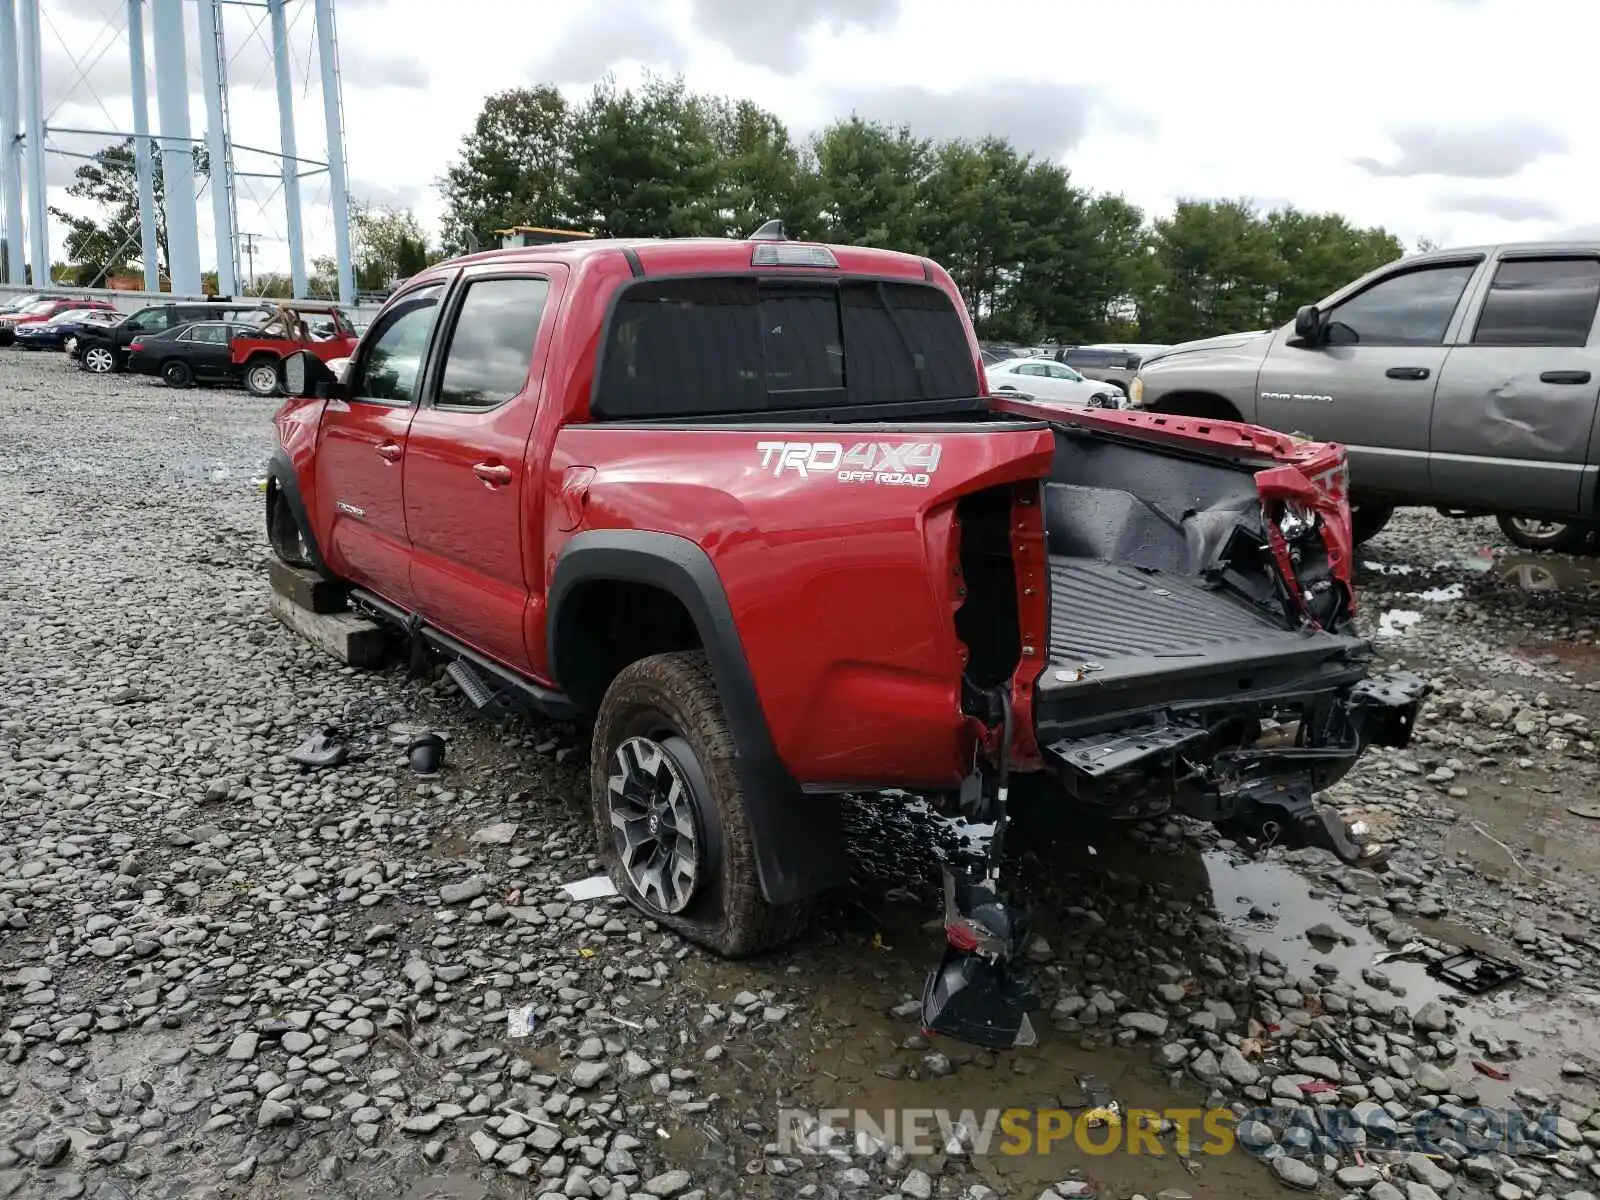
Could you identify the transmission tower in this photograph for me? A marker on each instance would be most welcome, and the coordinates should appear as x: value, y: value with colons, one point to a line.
x: 26, y: 139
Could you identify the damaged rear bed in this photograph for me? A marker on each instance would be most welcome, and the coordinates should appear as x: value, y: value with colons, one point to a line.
x: 1202, y: 653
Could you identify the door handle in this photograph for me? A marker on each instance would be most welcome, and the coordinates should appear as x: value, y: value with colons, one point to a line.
x: 390, y: 451
x: 1564, y: 377
x: 494, y: 474
x: 1407, y: 372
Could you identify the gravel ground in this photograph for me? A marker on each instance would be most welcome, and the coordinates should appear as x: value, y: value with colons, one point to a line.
x: 223, y: 975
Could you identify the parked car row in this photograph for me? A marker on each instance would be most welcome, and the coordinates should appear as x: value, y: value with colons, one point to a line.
x: 229, y: 342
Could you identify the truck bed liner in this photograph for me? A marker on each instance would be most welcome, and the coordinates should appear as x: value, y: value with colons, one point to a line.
x: 1106, y: 612
x: 1125, y: 639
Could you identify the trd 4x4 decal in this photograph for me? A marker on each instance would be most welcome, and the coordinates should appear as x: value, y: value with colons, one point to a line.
x: 897, y: 464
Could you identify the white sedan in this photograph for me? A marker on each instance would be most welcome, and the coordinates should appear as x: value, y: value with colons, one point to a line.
x: 1046, y: 379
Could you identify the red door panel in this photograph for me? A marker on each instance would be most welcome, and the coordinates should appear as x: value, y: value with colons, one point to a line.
x: 361, y: 453
x: 359, y: 464
x: 470, y: 496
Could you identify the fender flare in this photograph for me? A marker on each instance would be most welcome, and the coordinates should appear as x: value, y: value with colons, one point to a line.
x: 799, y: 837
x: 281, y: 475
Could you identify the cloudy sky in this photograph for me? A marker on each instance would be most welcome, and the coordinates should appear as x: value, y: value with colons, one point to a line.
x: 1438, y: 118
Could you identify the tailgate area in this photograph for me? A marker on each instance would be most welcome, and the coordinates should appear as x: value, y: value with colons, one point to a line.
x: 1173, y: 647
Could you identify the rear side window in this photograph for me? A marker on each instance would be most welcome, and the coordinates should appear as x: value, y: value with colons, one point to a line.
x: 492, y: 343
x: 1540, y: 302
x: 715, y: 346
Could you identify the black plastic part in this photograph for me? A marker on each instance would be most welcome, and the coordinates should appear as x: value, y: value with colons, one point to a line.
x: 977, y: 1001
x: 1384, y: 707
x: 426, y: 754
x: 281, y: 477
x: 551, y: 704
x: 635, y: 267
x: 1475, y: 972
x: 1103, y: 754
x: 799, y: 837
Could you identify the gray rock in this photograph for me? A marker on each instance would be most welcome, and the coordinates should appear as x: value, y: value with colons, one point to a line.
x: 587, y: 1074
x: 1430, y: 1078
x: 1357, y: 1176
x: 272, y: 1112
x: 1295, y: 1174
x: 1149, y: 1024
x: 1424, y: 1170
x: 466, y: 890
x: 669, y: 1183
x: 1237, y: 1068
x: 243, y: 1047
x: 1432, y: 1016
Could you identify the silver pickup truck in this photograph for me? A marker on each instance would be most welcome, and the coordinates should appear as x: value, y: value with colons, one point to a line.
x: 1463, y: 380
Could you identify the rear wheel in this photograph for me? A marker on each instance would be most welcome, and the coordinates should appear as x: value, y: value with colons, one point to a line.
x: 177, y: 374
x: 261, y: 377
x: 1531, y: 533
x: 100, y: 360
x: 669, y: 811
x: 1367, y: 520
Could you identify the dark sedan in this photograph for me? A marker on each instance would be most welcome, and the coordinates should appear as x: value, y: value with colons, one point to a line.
x: 190, y: 354
x: 59, y: 331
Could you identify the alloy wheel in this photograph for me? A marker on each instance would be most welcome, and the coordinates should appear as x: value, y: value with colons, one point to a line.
x: 655, y: 826
x: 1543, y: 531
x: 99, y: 360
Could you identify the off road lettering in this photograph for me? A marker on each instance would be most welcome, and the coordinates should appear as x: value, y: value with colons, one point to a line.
x: 894, y: 464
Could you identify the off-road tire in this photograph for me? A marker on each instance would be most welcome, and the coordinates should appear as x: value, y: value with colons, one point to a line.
x: 255, y: 373
x: 176, y: 374
x: 1367, y: 520
x: 1569, y: 538
x: 675, y: 695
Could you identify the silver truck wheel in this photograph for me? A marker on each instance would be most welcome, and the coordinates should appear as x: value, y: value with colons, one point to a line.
x: 100, y: 360
x: 1532, y: 533
x: 654, y: 826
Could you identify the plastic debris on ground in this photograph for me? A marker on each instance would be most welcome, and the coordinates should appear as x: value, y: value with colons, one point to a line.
x: 520, y: 1021
x: 426, y: 754
x: 592, y: 888
x: 324, y: 748
x: 1441, y: 595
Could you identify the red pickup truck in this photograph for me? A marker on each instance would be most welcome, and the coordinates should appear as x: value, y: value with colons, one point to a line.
x: 746, y: 508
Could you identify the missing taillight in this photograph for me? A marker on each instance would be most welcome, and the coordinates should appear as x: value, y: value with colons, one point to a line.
x: 988, y: 621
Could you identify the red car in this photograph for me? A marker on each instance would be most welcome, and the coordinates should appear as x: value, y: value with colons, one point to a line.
x: 328, y: 335
x: 43, y: 310
x: 745, y: 507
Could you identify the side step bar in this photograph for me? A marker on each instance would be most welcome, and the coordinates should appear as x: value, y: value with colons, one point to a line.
x: 487, y: 676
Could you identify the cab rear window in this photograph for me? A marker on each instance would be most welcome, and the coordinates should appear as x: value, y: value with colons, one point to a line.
x: 717, y: 346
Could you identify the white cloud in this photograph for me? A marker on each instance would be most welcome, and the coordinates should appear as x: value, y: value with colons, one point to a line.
x: 1432, y: 117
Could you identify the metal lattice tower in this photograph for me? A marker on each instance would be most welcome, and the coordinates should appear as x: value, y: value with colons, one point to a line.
x: 25, y: 138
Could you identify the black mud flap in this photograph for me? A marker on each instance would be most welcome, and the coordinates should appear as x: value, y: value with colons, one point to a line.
x: 979, y: 992
x: 978, y: 1001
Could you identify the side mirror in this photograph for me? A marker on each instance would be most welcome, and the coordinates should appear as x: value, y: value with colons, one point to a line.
x: 305, y: 376
x: 1308, y: 324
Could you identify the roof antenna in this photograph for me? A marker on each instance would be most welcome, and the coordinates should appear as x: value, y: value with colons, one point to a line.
x: 772, y: 231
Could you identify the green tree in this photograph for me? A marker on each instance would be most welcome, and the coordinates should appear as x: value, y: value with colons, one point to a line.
x: 513, y: 169
x: 647, y: 163
x: 108, y: 242
x: 869, y: 177
x: 1215, y: 269
x: 763, y: 174
x: 386, y: 244
x: 1321, y: 252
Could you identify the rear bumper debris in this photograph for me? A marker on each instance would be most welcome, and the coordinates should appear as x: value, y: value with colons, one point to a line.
x: 1252, y: 763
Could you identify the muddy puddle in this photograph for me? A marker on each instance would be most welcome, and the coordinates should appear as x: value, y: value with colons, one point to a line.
x: 1116, y: 914
x: 1542, y: 1031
